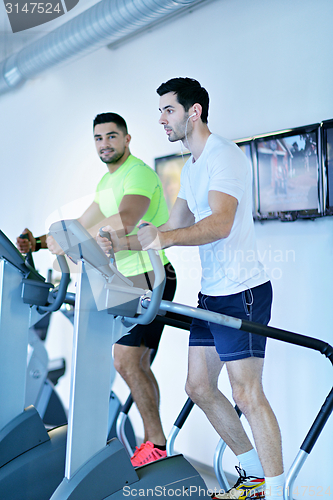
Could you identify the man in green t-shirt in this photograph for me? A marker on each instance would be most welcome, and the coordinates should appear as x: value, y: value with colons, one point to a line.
x: 128, y: 192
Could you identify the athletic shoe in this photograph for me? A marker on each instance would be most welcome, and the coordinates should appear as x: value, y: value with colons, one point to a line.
x: 245, y: 487
x: 146, y: 454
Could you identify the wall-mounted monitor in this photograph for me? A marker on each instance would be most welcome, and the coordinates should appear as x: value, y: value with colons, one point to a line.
x: 247, y: 146
x: 289, y: 176
x: 327, y: 155
x: 169, y: 168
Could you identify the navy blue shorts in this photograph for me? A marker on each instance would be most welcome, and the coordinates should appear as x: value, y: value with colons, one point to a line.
x: 150, y: 335
x: 253, y: 304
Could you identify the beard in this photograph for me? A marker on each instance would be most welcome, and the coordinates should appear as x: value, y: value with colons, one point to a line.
x: 113, y: 158
x: 181, y: 131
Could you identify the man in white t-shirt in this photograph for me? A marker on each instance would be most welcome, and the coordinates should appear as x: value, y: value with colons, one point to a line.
x: 214, y: 210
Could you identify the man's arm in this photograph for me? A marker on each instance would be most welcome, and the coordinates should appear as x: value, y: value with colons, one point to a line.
x: 212, y: 228
x: 131, y: 209
x: 91, y: 216
x: 180, y: 216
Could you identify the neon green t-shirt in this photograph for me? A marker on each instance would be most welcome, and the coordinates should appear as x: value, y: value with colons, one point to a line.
x: 133, y: 177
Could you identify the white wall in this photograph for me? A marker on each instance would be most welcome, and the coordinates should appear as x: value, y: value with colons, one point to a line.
x: 267, y: 65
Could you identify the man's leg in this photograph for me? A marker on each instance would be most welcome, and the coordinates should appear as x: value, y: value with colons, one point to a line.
x: 245, y: 376
x: 145, y: 361
x: 133, y: 364
x: 201, y: 386
x: 246, y: 381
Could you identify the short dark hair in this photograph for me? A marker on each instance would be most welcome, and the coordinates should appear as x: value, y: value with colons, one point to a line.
x: 111, y: 117
x: 188, y: 92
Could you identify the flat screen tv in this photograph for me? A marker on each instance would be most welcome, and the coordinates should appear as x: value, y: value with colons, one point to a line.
x: 327, y: 155
x: 169, y: 168
x: 289, y: 174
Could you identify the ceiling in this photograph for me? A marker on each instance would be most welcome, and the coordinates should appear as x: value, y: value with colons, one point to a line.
x: 109, y: 24
x: 12, y: 42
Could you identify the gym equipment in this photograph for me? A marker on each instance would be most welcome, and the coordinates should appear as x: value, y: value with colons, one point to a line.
x: 89, y: 465
x: 106, y: 308
x: 284, y: 336
x: 118, y: 423
x: 24, y: 298
x: 27, y: 450
x: 42, y: 374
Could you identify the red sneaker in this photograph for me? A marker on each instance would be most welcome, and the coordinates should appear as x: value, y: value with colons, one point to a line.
x: 146, y: 454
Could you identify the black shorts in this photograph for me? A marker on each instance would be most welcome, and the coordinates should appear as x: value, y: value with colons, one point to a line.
x: 150, y: 335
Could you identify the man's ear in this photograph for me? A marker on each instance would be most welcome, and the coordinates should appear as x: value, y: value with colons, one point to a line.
x: 197, y: 110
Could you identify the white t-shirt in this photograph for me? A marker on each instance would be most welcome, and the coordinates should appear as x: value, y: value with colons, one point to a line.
x: 229, y: 265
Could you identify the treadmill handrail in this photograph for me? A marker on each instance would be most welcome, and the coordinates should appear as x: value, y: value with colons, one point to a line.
x: 78, y: 244
x: 11, y: 254
x: 62, y: 289
x: 158, y: 288
x: 85, y: 247
x: 248, y: 326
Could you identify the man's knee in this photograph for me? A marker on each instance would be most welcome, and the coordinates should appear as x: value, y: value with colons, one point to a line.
x: 126, y: 360
x: 191, y: 391
x: 197, y: 390
x: 245, y: 377
x: 121, y: 365
x: 248, y: 397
